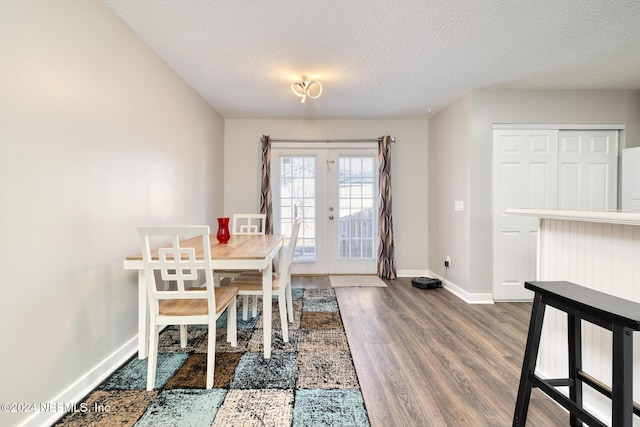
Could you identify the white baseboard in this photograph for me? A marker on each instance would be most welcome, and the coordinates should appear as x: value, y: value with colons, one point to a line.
x: 412, y: 273
x: 84, y: 385
x: 450, y: 286
x: 467, y: 297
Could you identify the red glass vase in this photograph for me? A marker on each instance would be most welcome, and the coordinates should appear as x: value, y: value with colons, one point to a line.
x: 223, y: 230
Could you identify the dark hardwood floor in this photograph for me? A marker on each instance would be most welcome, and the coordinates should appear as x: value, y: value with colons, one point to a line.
x: 427, y: 358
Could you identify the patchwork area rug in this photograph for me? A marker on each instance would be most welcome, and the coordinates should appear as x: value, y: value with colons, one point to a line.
x: 366, y: 280
x: 309, y: 381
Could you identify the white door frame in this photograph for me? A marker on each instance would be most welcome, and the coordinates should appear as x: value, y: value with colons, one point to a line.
x: 323, y: 152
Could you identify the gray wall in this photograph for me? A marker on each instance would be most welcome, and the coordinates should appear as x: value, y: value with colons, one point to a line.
x: 449, y: 181
x: 97, y: 136
x: 507, y: 106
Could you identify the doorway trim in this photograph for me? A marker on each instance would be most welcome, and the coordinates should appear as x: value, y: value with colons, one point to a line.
x: 299, y: 147
x: 556, y: 126
x: 301, y: 144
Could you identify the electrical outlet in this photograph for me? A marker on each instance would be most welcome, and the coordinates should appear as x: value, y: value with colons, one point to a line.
x: 447, y: 261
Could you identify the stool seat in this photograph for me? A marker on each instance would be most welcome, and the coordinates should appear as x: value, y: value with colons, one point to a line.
x: 618, y: 315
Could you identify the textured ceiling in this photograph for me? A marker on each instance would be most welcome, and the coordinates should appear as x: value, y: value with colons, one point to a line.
x: 383, y: 58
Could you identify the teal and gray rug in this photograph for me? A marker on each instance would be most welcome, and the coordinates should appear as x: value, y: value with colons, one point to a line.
x: 309, y: 381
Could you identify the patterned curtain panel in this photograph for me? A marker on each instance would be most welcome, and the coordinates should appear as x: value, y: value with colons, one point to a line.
x: 265, y: 188
x: 386, y: 255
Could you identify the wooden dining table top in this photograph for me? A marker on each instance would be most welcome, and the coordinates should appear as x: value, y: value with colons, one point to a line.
x: 239, y: 246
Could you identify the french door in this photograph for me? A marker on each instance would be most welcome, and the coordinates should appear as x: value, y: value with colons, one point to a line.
x: 334, y: 192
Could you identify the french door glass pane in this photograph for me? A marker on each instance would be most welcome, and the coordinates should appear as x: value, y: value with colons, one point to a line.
x: 356, y: 181
x: 298, y: 201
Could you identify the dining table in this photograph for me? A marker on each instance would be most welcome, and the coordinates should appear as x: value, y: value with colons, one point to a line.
x: 241, y: 252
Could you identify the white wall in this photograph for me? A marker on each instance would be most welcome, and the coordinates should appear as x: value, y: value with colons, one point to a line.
x: 97, y: 136
x: 504, y: 106
x: 408, y: 171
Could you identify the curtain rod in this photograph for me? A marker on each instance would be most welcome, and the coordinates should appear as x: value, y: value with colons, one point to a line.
x: 393, y: 139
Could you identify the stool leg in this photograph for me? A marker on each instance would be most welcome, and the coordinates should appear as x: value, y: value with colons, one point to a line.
x: 529, y: 362
x: 622, y: 384
x: 575, y: 364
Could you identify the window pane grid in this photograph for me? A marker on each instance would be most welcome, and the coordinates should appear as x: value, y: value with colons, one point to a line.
x: 297, y: 201
x: 356, y: 181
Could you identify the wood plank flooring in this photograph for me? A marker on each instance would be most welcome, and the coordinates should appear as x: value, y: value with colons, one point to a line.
x: 427, y: 358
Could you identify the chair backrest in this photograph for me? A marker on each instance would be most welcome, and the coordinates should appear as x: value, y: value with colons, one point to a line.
x: 180, y: 262
x: 248, y: 223
x: 285, y: 264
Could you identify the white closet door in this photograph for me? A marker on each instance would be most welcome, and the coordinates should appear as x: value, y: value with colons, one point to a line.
x: 524, y: 176
x: 546, y: 169
x: 588, y: 170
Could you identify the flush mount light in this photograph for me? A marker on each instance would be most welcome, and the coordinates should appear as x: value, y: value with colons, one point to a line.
x: 307, y: 88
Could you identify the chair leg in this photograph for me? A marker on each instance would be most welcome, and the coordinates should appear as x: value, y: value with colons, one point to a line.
x: 245, y: 307
x: 282, y: 305
x: 529, y: 362
x: 574, y: 335
x: 183, y: 336
x: 232, y: 325
x: 255, y: 306
x: 211, y: 351
x: 289, y: 298
x: 622, y: 377
x: 153, y: 357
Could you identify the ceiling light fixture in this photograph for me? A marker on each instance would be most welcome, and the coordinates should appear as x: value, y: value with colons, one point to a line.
x: 307, y: 88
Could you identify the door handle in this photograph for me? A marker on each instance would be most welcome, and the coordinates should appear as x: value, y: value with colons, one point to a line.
x: 331, y: 217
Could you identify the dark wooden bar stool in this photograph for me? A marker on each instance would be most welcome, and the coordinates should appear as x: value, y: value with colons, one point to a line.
x: 618, y: 315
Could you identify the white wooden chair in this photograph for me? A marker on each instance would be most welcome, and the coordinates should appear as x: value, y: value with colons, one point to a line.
x: 250, y: 283
x: 186, y: 302
x: 244, y: 224
x: 248, y: 223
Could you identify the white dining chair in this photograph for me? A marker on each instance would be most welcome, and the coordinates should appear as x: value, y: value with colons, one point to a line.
x: 187, y: 301
x: 244, y: 224
x: 248, y: 223
x: 250, y: 283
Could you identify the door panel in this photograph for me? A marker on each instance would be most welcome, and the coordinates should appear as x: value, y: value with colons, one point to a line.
x: 588, y: 170
x: 353, y: 178
x: 524, y: 176
x: 297, y: 176
x: 296, y: 191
